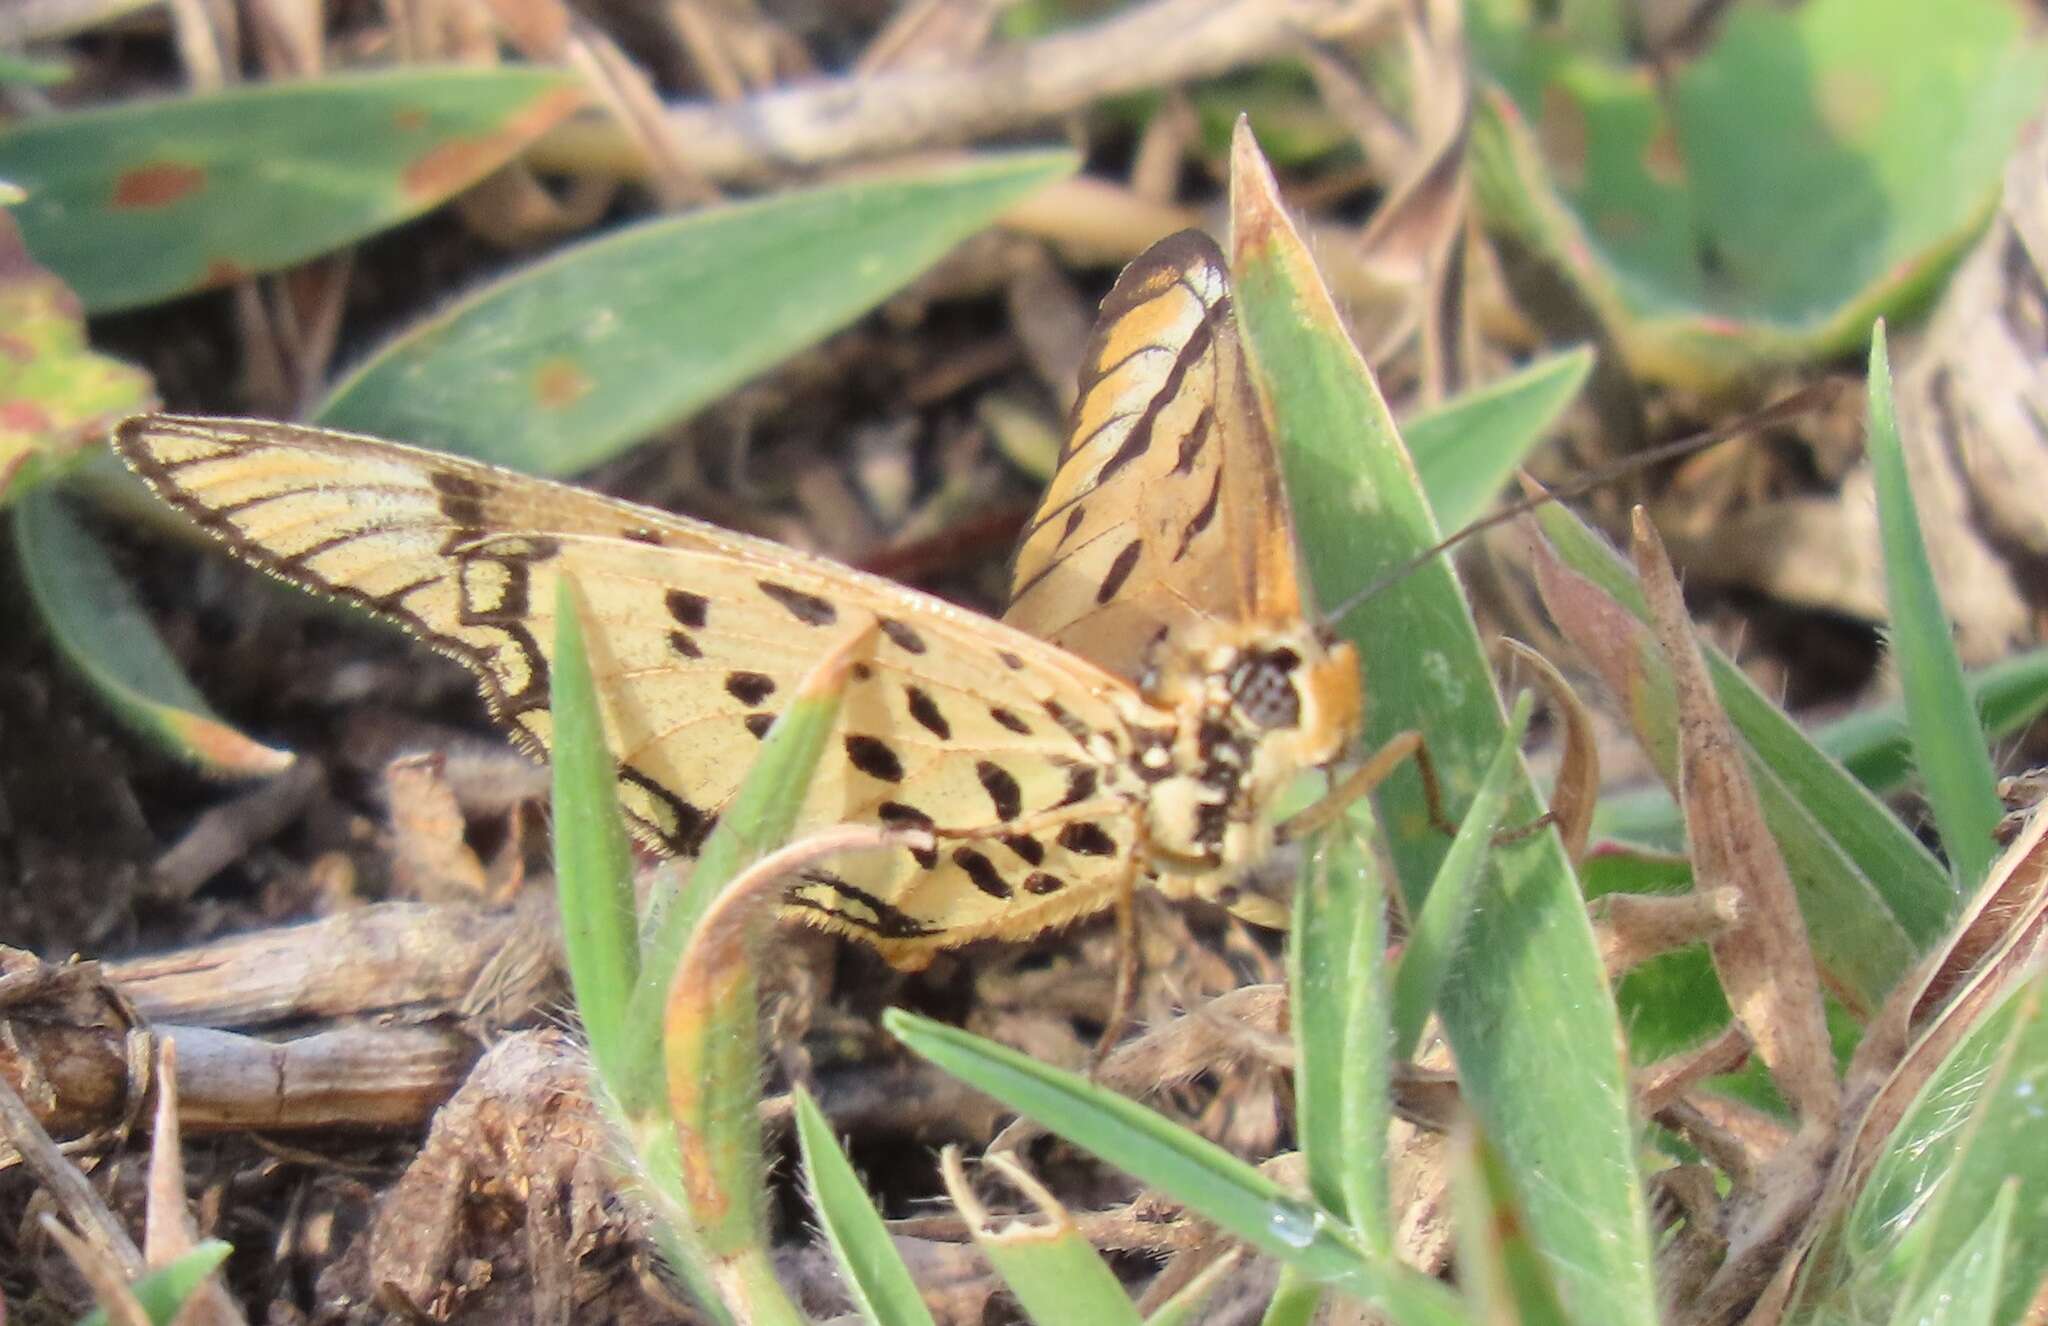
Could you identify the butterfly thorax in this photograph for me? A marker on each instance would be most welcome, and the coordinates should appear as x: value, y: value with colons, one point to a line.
x: 1250, y: 708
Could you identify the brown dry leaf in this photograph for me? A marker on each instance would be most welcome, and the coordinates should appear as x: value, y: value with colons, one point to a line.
x: 1764, y: 961
x: 431, y: 860
x: 1576, y: 790
x: 168, y: 1228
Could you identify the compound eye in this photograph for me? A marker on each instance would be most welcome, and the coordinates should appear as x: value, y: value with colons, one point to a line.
x: 1263, y: 688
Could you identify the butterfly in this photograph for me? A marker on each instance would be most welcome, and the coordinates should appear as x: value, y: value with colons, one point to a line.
x: 1158, y: 676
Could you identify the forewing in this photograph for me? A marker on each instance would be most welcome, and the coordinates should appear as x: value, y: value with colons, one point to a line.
x: 1167, y: 506
x: 698, y: 637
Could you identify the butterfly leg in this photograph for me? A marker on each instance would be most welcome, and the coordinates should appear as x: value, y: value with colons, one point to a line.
x: 1124, y: 997
x: 1361, y: 782
x: 1368, y: 776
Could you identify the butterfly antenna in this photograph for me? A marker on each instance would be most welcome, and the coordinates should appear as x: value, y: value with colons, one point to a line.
x: 1800, y: 402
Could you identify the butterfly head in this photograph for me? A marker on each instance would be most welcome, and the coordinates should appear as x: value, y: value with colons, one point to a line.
x: 1252, y: 705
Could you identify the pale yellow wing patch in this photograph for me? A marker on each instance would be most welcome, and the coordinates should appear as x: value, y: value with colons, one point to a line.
x: 954, y: 720
x: 1167, y: 507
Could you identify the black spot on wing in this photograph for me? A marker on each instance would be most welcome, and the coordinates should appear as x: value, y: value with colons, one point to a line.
x: 927, y: 712
x: 749, y: 688
x: 1202, y: 518
x: 1198, y: 437
x: 982, y: 871
x: 691, y: 610
x: 1002, y: 789
x: 758, y: 724
x: 806, y: 608
x: 1120, y: 569
x: 903, y: 636
x: 681, y: 643
x: 1009, y: 720
x: 1028, y: 849
x: 1081, y: 782
x: 1042, y: 883
x: 1087, y: 839
x: 874, y: 757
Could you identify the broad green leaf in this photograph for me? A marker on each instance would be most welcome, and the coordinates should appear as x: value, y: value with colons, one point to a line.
x: 103, y: 632
x: 1467, y: 449
x: 874, y: 1273
x: 146, y: 200
x: 1817, y: 164
x: 571, y: 360
x: 1948, y: 741
x: 1532, y: 1024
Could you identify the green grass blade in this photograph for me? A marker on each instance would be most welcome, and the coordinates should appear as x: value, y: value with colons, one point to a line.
x: 1055, y: 1275
x: 692, y: 1020
x: 1874, y: 746
x: 104, y: 633
x: 164, y: 1291
x: 1186, y: 1305
x: 1295, y: 1301
x: 1426, y: 960
x: 881, y: 1285
x: 1209, y: 1180
x: 1466, y: 450
x: 138, y: 202
x: 593, y: 860
x: 1871, y: 744
x: 1533, y: 1027
x: 571, y: 360
x: 1337, y: 1007
x: 1965, y: 1292
x: 1948, y: 739
x: 1140, y: 1142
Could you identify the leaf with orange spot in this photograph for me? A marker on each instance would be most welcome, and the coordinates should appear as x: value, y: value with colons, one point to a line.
x: 104, y: 633
x: 56, y: 395
x: 614, y: 338
x: 148, y: 200
x: 1763, y: 198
